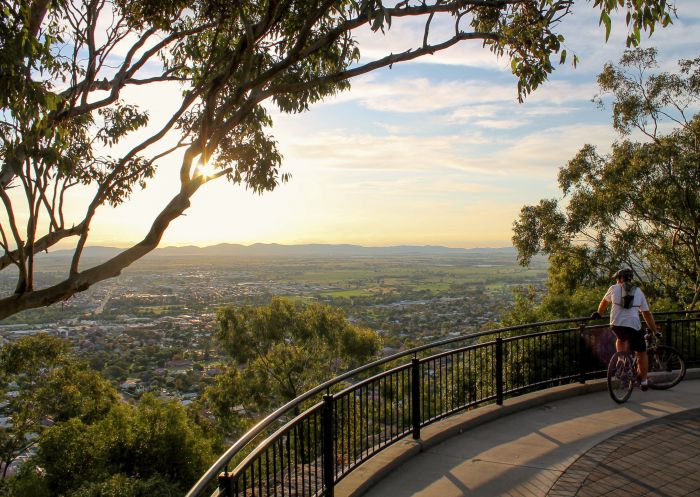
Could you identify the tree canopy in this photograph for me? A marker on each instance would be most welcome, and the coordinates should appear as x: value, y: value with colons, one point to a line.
x: 149, y: 449
x: 87, y: 442
x: 42, y: 382
x: 281, y: 350
x: 639, y: 205
x: 66, y: 66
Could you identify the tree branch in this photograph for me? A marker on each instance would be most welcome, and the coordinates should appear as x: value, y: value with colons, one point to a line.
x: 20, y: 261
x: 42, y: 244
x: 383, y: 62
x: 107, y: 183
x: 78, y: 282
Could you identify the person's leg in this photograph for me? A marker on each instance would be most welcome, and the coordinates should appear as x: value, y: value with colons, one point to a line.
x: 643, y: 362
x: 639, y: 347
x: 621, y: 338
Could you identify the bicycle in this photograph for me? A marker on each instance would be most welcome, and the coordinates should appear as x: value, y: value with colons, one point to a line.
x: 666, y: 369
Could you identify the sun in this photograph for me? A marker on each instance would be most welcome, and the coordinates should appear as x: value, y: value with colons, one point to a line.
x: 207, y: 169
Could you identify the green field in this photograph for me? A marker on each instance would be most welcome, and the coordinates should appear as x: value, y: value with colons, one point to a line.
x: 360, y: 278
x: 161, y: 286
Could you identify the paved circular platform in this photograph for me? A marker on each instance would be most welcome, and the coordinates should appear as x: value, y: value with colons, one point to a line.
x: 569, y: 441
x: 659, y: 458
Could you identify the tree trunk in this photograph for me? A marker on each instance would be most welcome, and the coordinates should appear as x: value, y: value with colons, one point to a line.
x: 81, y: 281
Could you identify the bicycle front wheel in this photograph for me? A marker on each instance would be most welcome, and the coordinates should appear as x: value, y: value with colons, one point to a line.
x: 666, y: 368
x: 621, y: 375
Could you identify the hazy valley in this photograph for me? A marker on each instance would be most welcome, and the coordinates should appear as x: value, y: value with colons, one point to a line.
x: 151, y: 328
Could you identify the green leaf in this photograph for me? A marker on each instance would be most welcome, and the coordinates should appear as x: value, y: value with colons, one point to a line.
x: 377, y: 23
x: 562, y: 58
x: 605, y: 19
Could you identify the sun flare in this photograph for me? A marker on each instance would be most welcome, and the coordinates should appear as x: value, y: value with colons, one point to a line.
x: 208, y: 169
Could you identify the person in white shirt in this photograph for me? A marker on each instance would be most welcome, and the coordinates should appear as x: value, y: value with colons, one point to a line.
x: 628, y: 301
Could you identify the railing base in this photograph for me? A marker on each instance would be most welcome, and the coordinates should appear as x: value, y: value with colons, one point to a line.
x: 378, y: 466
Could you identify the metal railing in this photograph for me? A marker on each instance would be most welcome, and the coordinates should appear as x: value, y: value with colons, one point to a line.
x: 308, y: 445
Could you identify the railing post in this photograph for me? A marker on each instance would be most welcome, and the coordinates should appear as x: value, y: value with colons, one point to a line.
x: 667, y: 337
x: 328, y: 456
x: 582, y: 363
x: 415, y: 396
x: 499, y: 371
x: 225, y: 480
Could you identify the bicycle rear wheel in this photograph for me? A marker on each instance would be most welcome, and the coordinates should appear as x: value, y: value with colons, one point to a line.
x: 621, y: 376
x: 666, y: 368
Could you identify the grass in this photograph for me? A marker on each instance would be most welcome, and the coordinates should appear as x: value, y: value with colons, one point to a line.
x: 157, y: 310
x: 348, y: 293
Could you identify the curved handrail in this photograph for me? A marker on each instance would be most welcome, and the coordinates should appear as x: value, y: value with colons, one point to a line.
x: 256, y: 430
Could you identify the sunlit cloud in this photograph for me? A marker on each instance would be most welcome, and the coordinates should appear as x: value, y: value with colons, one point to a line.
x: 342, y: 150
x: 543, y: 152
x: 501, y: 123
x: 419, y: 186
x: 540, y: 151
x: 394, y: 129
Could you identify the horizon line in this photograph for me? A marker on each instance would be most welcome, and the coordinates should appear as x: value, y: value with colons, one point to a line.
x: 192, y: 245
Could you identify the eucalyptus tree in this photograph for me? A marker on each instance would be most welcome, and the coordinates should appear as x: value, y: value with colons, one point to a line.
x: 639, y: 205
x: 279, y: 351
x: 66, y: 67
x: 70, y: 422
x: 41, y: 382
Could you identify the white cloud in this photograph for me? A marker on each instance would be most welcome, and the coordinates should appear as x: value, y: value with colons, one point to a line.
x: 422, y: 95
x: 490, y: 116
x: 501, y: 123
x: 543, y: 152
x: 342, y: 150
x: 544, y: 110
x: 539, y: 153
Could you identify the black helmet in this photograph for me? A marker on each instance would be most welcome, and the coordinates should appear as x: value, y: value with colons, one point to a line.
x: 625, y: 274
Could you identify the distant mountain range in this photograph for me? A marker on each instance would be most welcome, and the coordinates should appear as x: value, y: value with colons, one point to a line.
x: 275, y: 249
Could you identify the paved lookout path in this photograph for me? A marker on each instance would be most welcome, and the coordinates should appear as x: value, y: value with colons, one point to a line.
x: 569, y: 447
x: 658, y: 458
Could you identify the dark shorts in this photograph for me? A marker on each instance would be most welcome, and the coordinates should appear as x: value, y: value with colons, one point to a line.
x: 634, y: 337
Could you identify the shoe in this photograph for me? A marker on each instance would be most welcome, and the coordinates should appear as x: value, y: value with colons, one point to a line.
x: 644, y: 386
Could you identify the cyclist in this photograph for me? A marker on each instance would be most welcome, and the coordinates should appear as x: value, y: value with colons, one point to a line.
x: 628, y: 301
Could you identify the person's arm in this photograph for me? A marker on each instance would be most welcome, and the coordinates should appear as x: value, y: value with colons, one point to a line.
x: 646, y: 313
x: 649, y: 319
x: 602, y: 306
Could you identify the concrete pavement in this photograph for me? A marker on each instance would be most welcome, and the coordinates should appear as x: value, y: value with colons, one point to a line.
x: 659, y: 458
x: 527, y: 453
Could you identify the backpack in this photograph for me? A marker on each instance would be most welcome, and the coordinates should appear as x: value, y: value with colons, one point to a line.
x: 628, y: 292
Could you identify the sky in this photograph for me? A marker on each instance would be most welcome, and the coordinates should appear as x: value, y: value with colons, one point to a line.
x: 432, y: 152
